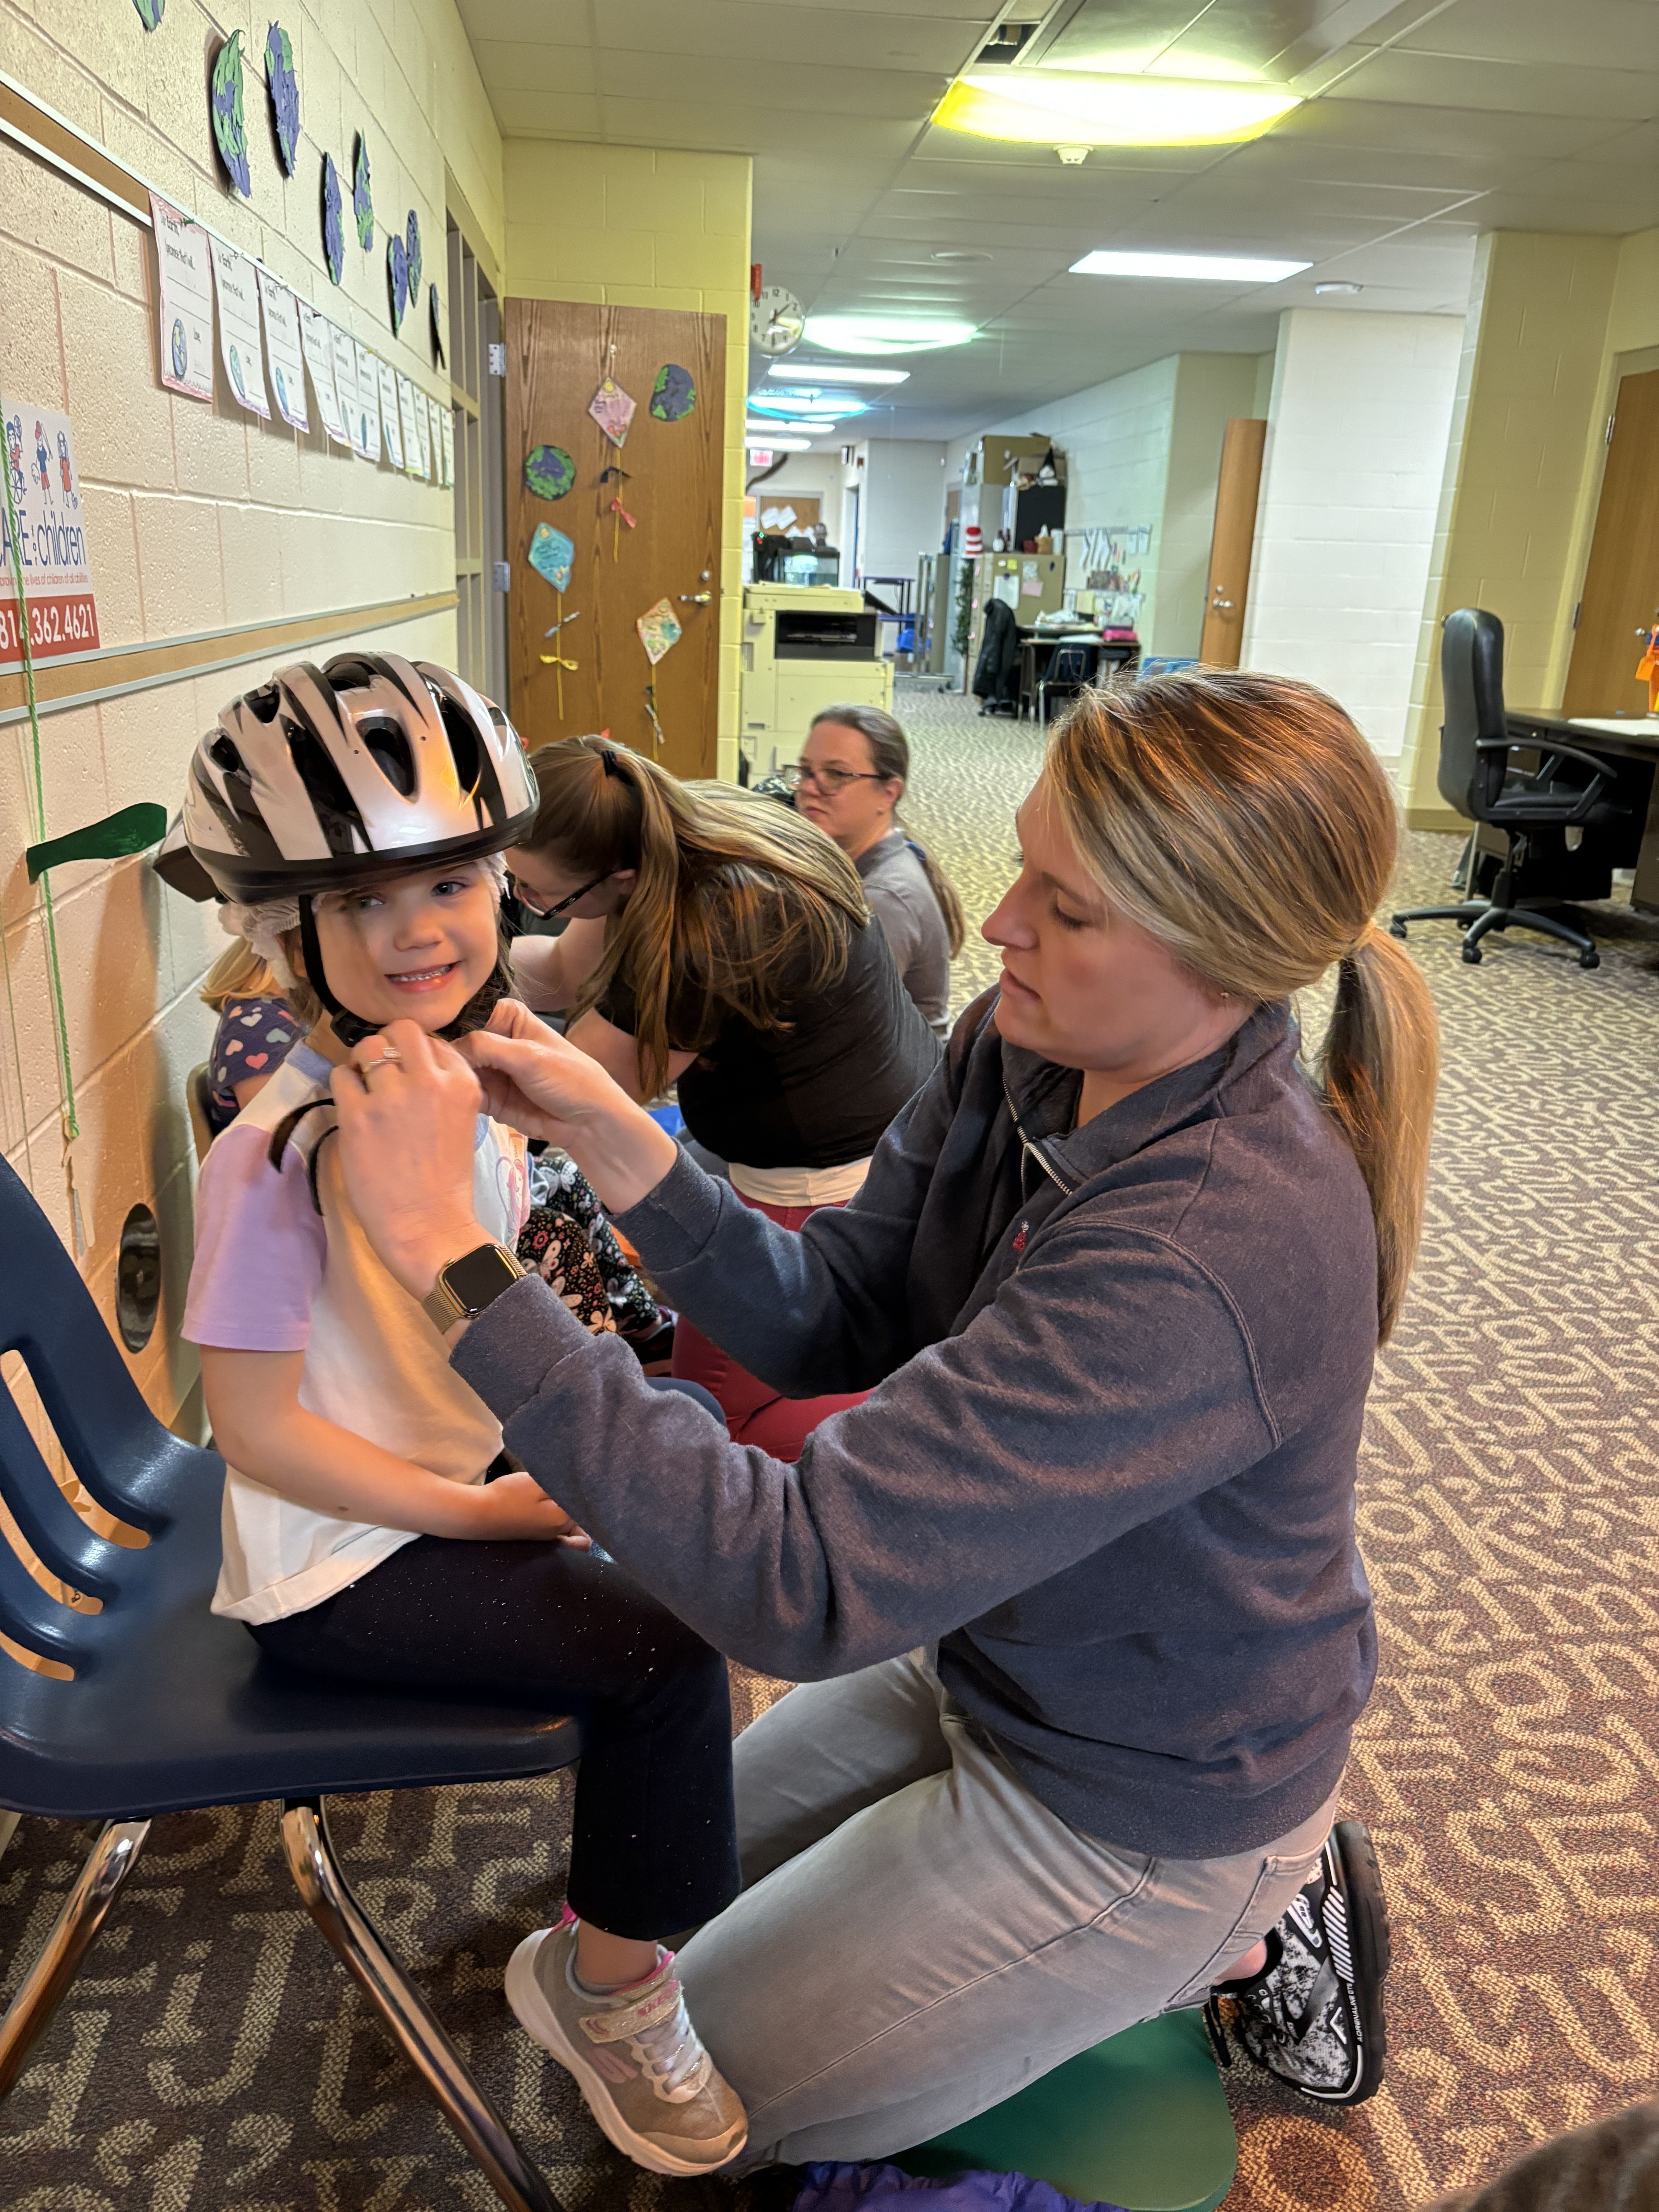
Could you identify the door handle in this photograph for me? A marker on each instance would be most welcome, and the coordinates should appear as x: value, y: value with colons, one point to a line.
x: 1220, y: 606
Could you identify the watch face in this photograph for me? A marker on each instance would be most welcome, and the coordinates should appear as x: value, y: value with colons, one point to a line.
x: 481, y: 1276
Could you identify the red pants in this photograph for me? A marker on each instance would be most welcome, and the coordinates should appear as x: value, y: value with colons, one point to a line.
x: 754, y: 1413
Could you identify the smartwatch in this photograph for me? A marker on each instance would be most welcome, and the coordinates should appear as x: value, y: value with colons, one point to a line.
x: 466, y: 1286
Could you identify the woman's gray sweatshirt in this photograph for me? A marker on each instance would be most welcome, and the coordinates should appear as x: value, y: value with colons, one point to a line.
x: 1117, y: 1375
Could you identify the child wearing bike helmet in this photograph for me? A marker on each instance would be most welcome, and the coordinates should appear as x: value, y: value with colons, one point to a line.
x: 352, y: 819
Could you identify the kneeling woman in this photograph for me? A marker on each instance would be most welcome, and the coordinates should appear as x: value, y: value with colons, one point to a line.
x: 1075, y: 1590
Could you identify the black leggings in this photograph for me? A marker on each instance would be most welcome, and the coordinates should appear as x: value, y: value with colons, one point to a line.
x: 653, y: 1847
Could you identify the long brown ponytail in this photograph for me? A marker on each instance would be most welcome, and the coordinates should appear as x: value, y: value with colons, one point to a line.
x: 890, y: 757
x: 736, y: 902
x: 1243, y: 821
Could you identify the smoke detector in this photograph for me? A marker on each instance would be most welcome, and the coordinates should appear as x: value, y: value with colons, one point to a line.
x: 1074, y: 157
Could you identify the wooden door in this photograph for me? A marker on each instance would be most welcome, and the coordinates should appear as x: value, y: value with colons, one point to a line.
x: 1231, y: 542
x: 663, y: 544
x: 1621, y: 584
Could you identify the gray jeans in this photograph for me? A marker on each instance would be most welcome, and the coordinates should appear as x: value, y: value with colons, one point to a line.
x: 919, y: 1937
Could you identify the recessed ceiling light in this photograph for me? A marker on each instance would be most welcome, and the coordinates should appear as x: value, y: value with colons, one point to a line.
x: 1323, y: 289
x: 1205, y: 268
x: 806, y: 405
x: 1033, y: 106
x: 880, y: 334
x: 836, y: 373
x: 960, y: 253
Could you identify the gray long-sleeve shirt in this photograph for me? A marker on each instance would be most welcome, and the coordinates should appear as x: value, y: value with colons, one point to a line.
x: 1108, y: 1461
x: 897, y: 892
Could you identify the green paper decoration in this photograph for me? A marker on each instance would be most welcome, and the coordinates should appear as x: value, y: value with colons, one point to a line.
x: 150, y: 12
x: 362, y: 198
x: 549, y: 471
x: 674, y: 396
x: 230, y: 115
x: 284, y: 89
x: 131, y: 830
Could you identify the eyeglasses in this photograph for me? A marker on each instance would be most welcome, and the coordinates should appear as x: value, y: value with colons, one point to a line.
x: 550, y: 913
x: 828, y: 781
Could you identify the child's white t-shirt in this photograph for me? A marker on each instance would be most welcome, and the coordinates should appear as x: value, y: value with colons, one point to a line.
x: 272, y: 1273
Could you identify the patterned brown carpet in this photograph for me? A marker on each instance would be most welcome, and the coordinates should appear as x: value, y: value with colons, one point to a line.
x: 213, y: 2057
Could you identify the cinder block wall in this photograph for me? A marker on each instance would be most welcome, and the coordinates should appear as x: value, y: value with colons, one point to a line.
x: 632, y: 226
x: 197, y: 516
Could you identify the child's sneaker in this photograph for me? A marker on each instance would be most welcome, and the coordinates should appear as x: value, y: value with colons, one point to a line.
x: 635, y: 2054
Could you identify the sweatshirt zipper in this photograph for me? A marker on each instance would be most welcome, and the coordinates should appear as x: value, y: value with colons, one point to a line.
x: 1035, y: 1148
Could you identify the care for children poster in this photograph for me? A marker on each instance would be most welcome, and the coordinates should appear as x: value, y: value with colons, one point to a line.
x: 44, y: 493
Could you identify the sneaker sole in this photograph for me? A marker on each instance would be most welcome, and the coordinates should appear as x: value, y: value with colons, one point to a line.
x: 1370, y: 1955
x: 542, y: 2024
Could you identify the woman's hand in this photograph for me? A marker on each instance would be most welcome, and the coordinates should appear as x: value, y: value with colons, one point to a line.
x: 533, y: 1079
x: 408, y: 1109
x: 514, y: 1509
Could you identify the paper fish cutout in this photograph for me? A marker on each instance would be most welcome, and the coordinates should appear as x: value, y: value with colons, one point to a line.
x: 549, y: 471
x: 613, y: 410
x: 228, y: 114
x: 674, y: 396
x: 362, y: 200
x: 333, y: 232
x: 657, y: 630
x: 284, y: 94
x: 412, y: 248
x: 550, y: 556
x: 397, y: 272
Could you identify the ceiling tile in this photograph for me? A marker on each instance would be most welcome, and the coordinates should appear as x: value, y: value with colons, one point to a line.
x: 533, y: 68
x: 1506, y: 87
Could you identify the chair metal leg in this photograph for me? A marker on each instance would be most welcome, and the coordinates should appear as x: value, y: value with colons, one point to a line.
x: 330, y: 1904
x: 109, y: 1863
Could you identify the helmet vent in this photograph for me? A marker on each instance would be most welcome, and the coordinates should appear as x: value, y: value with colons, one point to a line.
x: 327, y: 789
x: 462, y: 744
x: 223, y: 754
x: 392, y: 754
x: 264, y: 702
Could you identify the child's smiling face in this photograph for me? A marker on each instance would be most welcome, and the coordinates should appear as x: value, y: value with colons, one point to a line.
x: 416, y: 948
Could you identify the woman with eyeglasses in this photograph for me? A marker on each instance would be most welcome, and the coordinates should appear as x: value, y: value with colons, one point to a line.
x: 724, y: 945
x: 849, y: 780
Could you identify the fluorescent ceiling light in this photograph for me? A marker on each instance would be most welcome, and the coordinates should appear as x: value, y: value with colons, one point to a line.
x: 836, y: 374
x: 880, y: 334
x: 1206, y: 268
x: 1077, y: 107
x: 813, y: 403
x: 769, y: 444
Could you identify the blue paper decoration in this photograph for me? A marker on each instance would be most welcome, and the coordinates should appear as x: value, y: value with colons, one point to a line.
x: 413, y: 248
x: 150, y: 12
x: 229, y: 116
x: 284, y: 94
x: 397, y: 270
x: 674, y: 395
x: 549, y: 471
x: 362, y: 202
x: 550, y: 556
x: 436, y: 305
x: 333, y: 226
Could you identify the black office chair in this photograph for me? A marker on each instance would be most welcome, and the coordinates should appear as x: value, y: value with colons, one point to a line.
x: 1478, y: 776
x: 1072, y: 668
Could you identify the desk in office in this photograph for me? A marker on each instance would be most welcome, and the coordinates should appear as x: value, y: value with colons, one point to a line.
x: 1631, y: 738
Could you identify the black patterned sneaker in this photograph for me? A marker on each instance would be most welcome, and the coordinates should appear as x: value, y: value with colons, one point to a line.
x: 1313, y: 2016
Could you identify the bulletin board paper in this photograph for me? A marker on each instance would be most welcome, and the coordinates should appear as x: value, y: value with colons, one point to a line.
x: 184, y: 301
x: 390, y: 427
x: 423, y: 432
x: 283, y: 350
x: 411, y: 459
x: 366, y: 439
x: 449, y: 420
x: 241, y: 345
x: 317, y: 342
x: 45, y: 488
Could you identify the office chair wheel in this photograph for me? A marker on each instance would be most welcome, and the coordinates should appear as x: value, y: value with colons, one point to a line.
x: 1397, y: 929
x: 1589, y: 960
x: 1471, y: 953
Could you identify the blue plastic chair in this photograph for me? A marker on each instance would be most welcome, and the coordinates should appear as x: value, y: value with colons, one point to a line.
x: 170, y: 1708
x: 1071, y: 668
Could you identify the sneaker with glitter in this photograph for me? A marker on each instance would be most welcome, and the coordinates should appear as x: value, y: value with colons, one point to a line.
x: 1313, y: 2016
x: 635, y: 2054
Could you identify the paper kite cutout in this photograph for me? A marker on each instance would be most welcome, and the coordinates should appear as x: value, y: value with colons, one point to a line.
x: 657, y: 630
x: 550, y: 556
x: 333, y: 232
x: 228, y: 114
x: 613, y: 410
x: 549, y: 471
x: 412, y: 248
x: 363, y: 200
x: 397, y: 271
x: 674, y: 396
x: 284, y: 94
x: 150, y: 12
x: 436, y: 306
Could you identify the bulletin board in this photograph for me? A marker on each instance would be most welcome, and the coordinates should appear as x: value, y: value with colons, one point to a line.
x: 640, y: 521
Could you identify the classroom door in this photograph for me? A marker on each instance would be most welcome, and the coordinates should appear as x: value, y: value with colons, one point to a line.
x: 1621, y: 584
x: 1231, y: 542
x: 642, y: 521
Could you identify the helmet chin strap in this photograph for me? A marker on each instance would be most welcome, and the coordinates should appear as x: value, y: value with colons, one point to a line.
x: 350, y: 1028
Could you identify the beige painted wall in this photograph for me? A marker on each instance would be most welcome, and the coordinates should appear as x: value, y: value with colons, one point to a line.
x: 629, y: 227
x: 197, y: 516
x: 1552, y: 321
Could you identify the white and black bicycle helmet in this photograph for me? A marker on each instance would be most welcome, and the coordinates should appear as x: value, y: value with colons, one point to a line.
x: 365, y: 769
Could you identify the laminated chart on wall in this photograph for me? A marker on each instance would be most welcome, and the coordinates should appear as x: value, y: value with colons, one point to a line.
x: 392, y: 428
x: 240, y: 343
x: 183, y: 301
x: 283, y: 350
x: 435, y: 431
x: 365, y: 438
x: 44, y: 489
